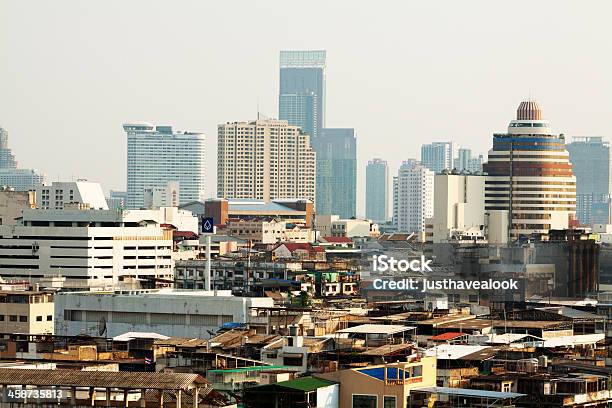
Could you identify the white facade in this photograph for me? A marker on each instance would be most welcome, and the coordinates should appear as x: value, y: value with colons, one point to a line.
x: 58, y: 194
x: 334, y: 226
x: 458, y: 208
x: 163, y: 196
x: 89, y: 248
x: 264, y: 159
x: 168, y: 312
x: 158, y: 155
x: 413, y: 196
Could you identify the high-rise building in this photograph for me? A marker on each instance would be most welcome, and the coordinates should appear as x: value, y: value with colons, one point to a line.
x: 336, y: 172
x: 158, y: 155
x: 12, y: 176
x: 437, y: 156
x: 590, y: 157
x: 459, y: 204
x: 264, y: 159
x: 413, y: 196
x: 302, y: 90
x: 466, y: 162
x: 530, y: 181
x: 377, y: 190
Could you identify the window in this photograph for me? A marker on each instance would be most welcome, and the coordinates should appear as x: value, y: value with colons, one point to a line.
x: 39, y: 318
x: 23, y: 319
x: 49, y: 318
x: 389, y: 401
x: 365, y: 401
x: 1, y: 318
x: 13, y: 318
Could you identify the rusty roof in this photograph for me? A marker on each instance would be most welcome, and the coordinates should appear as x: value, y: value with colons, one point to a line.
x: 102, y: 379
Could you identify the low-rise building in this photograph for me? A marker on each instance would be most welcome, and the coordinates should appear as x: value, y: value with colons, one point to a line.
x: 269, y: 231
x: 334, y: 226
x: 164, y: 311
x: 26, y: 311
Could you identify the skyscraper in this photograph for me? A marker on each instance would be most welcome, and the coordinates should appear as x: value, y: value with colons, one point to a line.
x: 466, y: 162
x: 336, y: 172
x: 530, y: 176
x: 157, y: 155
x: 10, y: 174
x: 437, y: 156
x: 413, y: 196
x: 264, y: 159
x: 302, y: 90
x: 377, y: 190
x: 590, y: 157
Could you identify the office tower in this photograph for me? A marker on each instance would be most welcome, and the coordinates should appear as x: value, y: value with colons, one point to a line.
x: 336, y: 172
x: 81, y: 194
x: 413, y: 196
x: 590, y: 157
x: 12, y: 176
x: 264, y: 159
x: 437, y: 156
x: 459, y: 204
x: 158, y: 155
x: 530, y: 181
x: 466, y: 162
x: 302, y: 90
x: 377, y: 190
x: 116, y: 200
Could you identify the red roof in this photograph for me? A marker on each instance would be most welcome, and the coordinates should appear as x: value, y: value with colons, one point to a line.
x: 338, y: 240
x: 184, y: 234
x: 447, y: 336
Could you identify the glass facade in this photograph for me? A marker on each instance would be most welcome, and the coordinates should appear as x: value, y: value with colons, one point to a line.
x: 336, y: 172
x: 377, y: 190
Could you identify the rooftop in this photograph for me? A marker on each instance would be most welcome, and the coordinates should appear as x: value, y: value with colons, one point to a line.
x: 376, y: 329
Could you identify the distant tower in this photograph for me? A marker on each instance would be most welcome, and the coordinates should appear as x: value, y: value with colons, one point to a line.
x: 530, y: 175
x: 413, y: 196
x: 437, y: 156
x: 377, y: 190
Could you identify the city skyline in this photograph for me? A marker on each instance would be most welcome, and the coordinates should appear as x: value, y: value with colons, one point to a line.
x: 110, y: 84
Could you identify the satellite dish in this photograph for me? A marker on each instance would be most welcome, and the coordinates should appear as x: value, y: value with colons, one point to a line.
x: 102, y: 326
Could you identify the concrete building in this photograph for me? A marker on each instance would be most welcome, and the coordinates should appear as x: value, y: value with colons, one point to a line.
x: 458, y: 208
x: 117, y: 200
x: 530, y: 176
x: 466, y: 162
x: 12, y: 203
x: 590, y: 158
x: 269, y: 231
x: 92, y: 248
x: 221, y: 210
x: 10, y: 174
x: 158, y: 155
x: 334, y: 226
x: 26, y: 311
x: 264, y: 159
x: 437, y: 156
x: 189, y: 314
x: 413, y: 190
x: 162, y: 196
x: 81, y: 193
x: 377, y: 190
x: 301, y: 99
x: 336, y: 151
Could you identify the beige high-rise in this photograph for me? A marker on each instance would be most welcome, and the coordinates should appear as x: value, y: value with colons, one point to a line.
x: 264, y: 159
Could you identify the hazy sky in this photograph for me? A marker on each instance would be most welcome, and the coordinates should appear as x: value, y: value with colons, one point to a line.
x: 401, y: 73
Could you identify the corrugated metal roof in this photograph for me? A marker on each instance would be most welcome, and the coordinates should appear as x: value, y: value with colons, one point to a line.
x: 103, y: 379
x: 466, y: 392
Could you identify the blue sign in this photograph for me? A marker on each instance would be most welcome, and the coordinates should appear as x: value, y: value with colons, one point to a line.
x: 208, y: 225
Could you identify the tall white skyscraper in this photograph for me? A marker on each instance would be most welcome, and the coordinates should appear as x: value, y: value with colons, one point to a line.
x: 377, y: 190
x: 158, y: 155
x: 413, y: 190
x: 264, y: 159
x: 437, y: 156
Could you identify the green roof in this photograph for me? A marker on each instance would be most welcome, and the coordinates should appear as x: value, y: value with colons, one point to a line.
x: 305, y: 383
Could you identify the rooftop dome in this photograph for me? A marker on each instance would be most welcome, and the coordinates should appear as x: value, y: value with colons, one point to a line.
x: 529, y: 110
